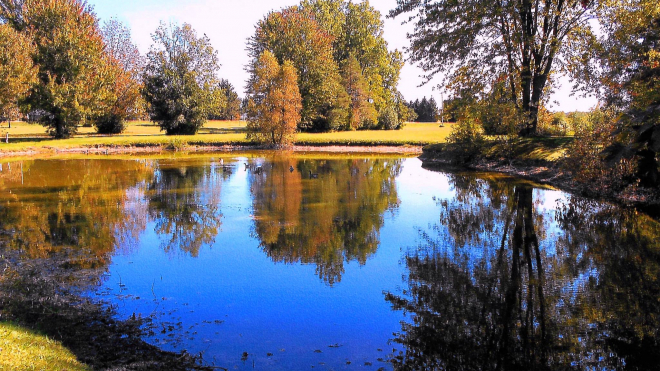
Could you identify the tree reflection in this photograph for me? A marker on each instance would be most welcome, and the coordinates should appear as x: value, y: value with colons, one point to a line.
x: 496, y: 291
x: 184, y: 201
x: 322, y: 212
x: 48, y: 206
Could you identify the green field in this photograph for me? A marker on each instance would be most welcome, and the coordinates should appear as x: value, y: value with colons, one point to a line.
x: 24, y: 136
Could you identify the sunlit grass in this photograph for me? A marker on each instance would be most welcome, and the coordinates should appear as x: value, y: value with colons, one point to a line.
x: 24, y: 136
x: 21, y: 349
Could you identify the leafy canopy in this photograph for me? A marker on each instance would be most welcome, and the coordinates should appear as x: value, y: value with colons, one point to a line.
x: 17, y: 71
x: 74, y: 72
x: 275, y: 105
x: 128, y: 65
x: 180, y: 79
x: 521, y: 43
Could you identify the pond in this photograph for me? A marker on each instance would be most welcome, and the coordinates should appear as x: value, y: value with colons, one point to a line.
x: 298, y: 261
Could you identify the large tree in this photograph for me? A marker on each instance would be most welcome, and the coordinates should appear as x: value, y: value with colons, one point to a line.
x: 524, y: 41
x: 75, y: 74
x: 628, y: 75
x: 291, y: 34
x: 17, y: 71
x: 180, y: 79
x: 125, y: 57
x: 362, y: 113
x: 275, y: 101
x: 357, y: 30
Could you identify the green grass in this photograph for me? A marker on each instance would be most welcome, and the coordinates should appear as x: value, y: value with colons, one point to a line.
x: 24, y: 136
x: 22, y: 349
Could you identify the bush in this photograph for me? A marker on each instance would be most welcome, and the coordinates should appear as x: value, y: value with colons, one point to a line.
x: 388, y: 119
x: 552, y: 124
x: 467, y: 137
x: 586, y: 160
x: 109, y: 124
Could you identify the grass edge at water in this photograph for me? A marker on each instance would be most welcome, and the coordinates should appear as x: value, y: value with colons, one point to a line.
x: 23, y: 349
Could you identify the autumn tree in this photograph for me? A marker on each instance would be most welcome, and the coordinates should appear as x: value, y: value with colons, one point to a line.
x: 17, y: 72
x: 628, y: 78
x: 524, y: 40
x: 128, y: 65
x: 275, y: 101
x: 74, y: 72
x: 292, y: 35
x: 180, y: 79
x: 363, y: 113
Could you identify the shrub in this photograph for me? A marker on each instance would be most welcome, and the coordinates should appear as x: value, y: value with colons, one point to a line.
x: 388, y: 119
x: 467, y: 137
x: 586, y: 160
x: 109, y: 124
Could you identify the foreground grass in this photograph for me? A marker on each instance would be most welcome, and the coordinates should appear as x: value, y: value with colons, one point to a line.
x: 23, y: 136
x: 21, y: 349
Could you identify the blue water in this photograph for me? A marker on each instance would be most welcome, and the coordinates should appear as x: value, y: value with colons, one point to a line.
x: 266, y: 307
x: 281, y: 262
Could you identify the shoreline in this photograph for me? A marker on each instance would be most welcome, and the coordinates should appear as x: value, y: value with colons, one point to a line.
x: 113, y: 149
x: 548, y: 173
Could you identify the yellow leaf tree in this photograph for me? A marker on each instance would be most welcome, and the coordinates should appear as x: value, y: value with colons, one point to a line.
x: 275, y: 101
x: 17, y: 72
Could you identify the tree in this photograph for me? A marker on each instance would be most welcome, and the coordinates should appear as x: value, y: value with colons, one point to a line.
x: 231, y: 109
x: 293, y: 35
x: 75, y: 75
x: 180, y: 79
x: 362, y: 114
x: 426, y: 110
x: 628, y: 57
x: 357, y: 29
x: 17, y: 72
x: 128, y: 65
x: 523, y: 40
x: 274, y: 109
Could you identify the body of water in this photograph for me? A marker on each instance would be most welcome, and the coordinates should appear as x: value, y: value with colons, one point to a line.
x: 298, y: 261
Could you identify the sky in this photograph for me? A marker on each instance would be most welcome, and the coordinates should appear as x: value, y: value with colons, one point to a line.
x: 229, y: 23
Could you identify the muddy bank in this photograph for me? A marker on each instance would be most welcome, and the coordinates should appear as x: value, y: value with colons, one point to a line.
x: 108, y: 150
x: 46, y: 295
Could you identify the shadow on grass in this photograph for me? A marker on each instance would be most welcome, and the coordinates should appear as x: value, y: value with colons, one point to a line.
x: 46, y: 295
x: 25, y: 140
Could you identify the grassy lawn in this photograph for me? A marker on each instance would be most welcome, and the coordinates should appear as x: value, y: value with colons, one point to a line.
x: 21, y: 349
x: 23, y: 136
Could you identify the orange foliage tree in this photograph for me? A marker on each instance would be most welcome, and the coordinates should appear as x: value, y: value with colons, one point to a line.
x: 275, y: 101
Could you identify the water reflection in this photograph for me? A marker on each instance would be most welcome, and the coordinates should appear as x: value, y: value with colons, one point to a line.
x: 323, y: 212
x: 48, y: 206
x: 509, y: 284
x: 184, y: 202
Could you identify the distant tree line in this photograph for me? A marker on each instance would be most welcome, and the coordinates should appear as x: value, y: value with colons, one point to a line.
x: 65, y: 70
x: 426, y: 110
